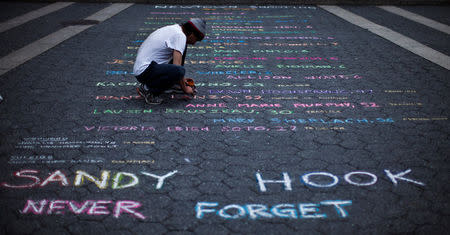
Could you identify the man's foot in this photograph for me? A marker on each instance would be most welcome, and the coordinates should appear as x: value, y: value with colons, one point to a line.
x: 142, y: 91
x: 148, y: 96
x: 153, y: 99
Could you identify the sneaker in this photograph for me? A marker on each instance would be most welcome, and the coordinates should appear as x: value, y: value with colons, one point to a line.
x: 148, y: 96
x: 153, y: 99
x: 142, y: 91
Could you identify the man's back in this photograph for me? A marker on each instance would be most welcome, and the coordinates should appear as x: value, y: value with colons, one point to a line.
x: 159, y: 47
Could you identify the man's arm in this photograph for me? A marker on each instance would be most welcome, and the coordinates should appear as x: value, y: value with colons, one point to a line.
x: 177, y: 58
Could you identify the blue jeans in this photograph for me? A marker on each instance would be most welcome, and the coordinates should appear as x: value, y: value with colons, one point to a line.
x: 161, y: 77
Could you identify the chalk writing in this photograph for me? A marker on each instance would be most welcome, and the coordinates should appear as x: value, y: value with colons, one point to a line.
x: 232, y: 7
x: 309, y: 98
x: 293, y: 85
x: 406, y: 104
x: 323, y: 111
x: 333, y: 121
x: 109, y: 97
x: 237, y: 27
x: 270, y: 38
x: 62, y: 143
x: 172, y: 13
x: 263, y: 211
x: 187, y: 128
x: 306, y: 58
x: 114, y: 84
x: 218, y: 111
x: 425, y: 119
x: 238, y: 77
x: 240, y: 66
x: 118, y: 61
x: 400, y: 91
x: 122, y: 111
x: 31, y: 158
x: 233, y: 120
x: 139, y: 142
x: 280, y: 51
x: 328, y: 180
x: 260, y: 31
x: 334, y: 128
x: 310, y: 91
x: 228, y: 84
x: 213, y: 62
x: 305, y: 44
x: 332, y: 98
x: 183, y: 97
x: 80, y: 177
x: 346, y: 105
x: 227, y: 43
x: 240, y: 91
x: 220, y: 105
x: 132, y: 161
x: 117, y: 72
x: 119, y: 128
x: 293, y: 27
x: 305, y: 105
x: 89, y: 207
x: 221, y: 97
x: 51, y: 160
x: 258, y: 128
x: 334, y: 77
x: 240, y: 58
x: 259, y: 105
x: 163, y: 18
x: 232, y: 72
x: 309, y: 66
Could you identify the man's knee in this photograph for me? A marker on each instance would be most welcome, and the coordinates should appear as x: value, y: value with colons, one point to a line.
x: 179, y: 72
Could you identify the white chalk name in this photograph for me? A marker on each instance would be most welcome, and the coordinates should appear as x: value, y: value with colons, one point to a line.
x: 316, y: 179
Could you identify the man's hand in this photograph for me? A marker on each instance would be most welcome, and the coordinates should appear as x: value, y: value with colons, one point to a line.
x: 190, y: 83
x: 187, y: 89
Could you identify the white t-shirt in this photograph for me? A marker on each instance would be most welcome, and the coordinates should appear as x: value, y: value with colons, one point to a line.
x: 159, y: 47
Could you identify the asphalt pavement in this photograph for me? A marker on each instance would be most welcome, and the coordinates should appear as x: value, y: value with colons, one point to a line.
x: 309, y: 119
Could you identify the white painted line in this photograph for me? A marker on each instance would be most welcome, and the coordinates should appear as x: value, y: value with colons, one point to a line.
x: 38, y: 47
x: 417, y: 18
x: 401, y: 40
x: 108, y: 12
x: 14, y: 22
